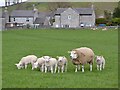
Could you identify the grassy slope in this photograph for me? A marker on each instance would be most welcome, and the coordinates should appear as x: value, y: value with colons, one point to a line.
x: 99, y: 6
x: 17, y: 44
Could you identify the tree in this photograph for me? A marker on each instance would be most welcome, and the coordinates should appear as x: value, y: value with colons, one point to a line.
x: 108, y: 15
x: 52, y: 6
x: 116, y: 13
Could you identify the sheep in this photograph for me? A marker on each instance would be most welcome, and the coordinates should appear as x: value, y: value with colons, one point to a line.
x: 81, y: 56
x: 50, y: 63
x: 62, y: 63
x: 26, y: 60
x: 104, y: 29
x: 39, y: 63
x: 100, y: 60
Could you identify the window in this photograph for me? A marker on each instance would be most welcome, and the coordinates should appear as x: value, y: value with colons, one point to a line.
x: 69, y: 16
x: 14, y: 19
x: 27, y: 19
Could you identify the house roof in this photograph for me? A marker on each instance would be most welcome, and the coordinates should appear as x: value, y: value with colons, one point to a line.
x: 45, y: 14
x: 39, y: 20
x: 22, y: 13
x: 84, y: 10
x: 78, y: 10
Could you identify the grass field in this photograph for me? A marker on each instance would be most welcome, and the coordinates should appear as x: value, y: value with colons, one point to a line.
x: 19, y: 43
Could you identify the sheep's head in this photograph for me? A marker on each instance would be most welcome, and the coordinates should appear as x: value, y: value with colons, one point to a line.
x: 98, y: 58
x: 35, y: 65
x: 47, y: 59
x: 60, y: 58
x: 73, y: 54
x: 19, y: 65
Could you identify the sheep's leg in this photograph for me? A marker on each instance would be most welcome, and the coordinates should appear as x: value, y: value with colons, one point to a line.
x: 51, y: 69
x: 82, y: 68
x: 25, y: 66
x: 58, y: 69
x: 103, y: 65
x: 100, y: 67
x: 97, y: 67
x: 62, y: 69
x: 45, y: 69
x: 90, y: 67
x: 32, y: 68
x: 42, y: 68
x: 66, y: 67
x: 55, y: 68
x: 76, y: 68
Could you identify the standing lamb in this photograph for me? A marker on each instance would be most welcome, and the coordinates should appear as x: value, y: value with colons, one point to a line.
x: 81, y: 56
x: 26, y: 60
x: 100, y: 60
x: 51, y: 63
x: 62, y: 63
x: 40, y: 63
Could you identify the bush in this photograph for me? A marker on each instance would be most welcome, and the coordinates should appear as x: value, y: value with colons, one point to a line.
x: 116, y: 21
x: 100, y: 21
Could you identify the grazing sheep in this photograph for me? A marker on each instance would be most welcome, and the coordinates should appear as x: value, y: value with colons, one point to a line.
x: 81, y: 56
x: 50, y: 63
x: 39, y: 63
x: 26, y: 60
x: 62, y: 63
x: 104, y: 29
x: 100, y: 60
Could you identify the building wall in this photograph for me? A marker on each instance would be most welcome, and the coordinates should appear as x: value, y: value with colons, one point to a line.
x: 70, y: 18
x: 57, y: 21
x: 22, y: 20
x: 88, y: 19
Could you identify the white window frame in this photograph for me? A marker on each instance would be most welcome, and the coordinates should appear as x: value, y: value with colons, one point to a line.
x: 69, y: 17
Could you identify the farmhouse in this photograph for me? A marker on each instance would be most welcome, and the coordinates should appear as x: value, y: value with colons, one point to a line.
x: 74, y: 17
x: 23, y: 16
x: 61, y: 18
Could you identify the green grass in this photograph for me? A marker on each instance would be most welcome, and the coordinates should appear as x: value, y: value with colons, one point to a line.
x: 19, y: 43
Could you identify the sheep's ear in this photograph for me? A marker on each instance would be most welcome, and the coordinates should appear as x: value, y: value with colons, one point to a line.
x: 16, y: 64
x: 69, y: 51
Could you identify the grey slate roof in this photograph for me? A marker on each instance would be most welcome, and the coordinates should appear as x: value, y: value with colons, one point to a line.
x: 78, y: 10
x: 39, y: 20
x: 22, y: 13
x: 84, y: 10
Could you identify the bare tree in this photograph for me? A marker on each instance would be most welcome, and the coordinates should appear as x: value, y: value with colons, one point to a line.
x: 54, y: 5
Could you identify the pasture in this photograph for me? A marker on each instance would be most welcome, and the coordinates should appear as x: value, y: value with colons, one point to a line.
x: 19, y: 43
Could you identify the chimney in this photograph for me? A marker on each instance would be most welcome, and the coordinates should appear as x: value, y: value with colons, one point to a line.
x: 35, y: 10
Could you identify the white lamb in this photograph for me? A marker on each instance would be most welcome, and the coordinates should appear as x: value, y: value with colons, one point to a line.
x: 50, y: 63
x: 100, y: 60
x: 62, y: 63
x: 26, y: 60
x: 40, y: 63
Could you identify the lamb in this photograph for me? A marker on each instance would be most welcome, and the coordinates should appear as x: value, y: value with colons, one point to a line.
x: 50, y: 63
x: 104, y: 29
x: 82, y: 56
x: 39, y: 63
x: 26, y: 60
x: 62, y: 63
x: 100, y: 60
